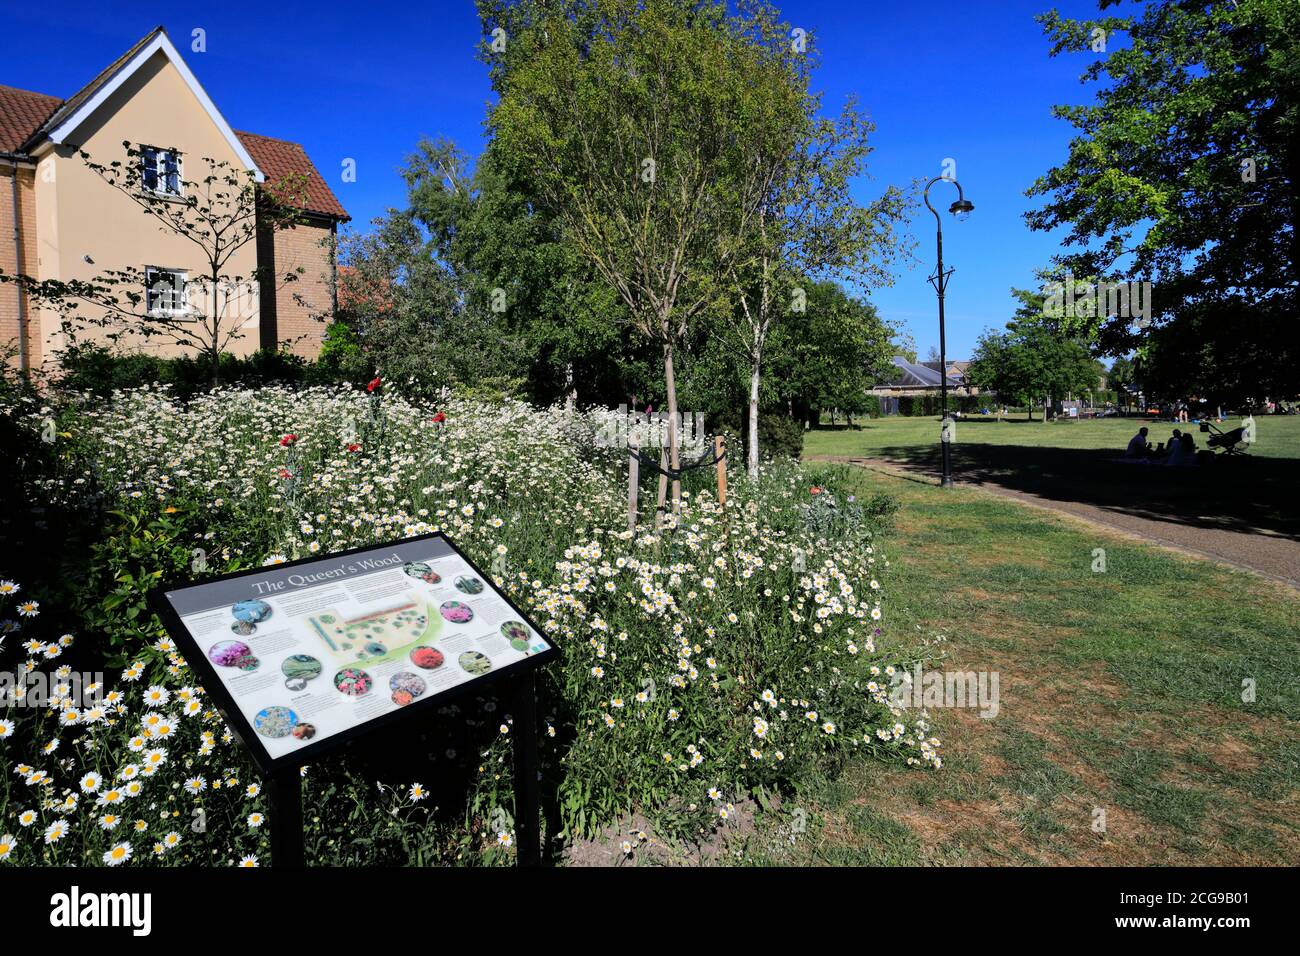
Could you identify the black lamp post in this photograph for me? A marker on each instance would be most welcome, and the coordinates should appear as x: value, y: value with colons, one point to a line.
x: 961, y: 209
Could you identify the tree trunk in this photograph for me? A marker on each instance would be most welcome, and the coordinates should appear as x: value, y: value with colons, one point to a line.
x: 753, y: 416
x: 570, y: 390
x: 670, y: 386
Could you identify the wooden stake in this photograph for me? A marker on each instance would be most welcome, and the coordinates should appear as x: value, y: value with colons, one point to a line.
x: 663, y: 488
x: 633, y: 483
x: 719, y: 448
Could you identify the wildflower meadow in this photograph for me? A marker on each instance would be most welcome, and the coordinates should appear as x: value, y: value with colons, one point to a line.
x: 732, y: 652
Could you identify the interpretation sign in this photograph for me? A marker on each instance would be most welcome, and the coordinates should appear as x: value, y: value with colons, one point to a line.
x: 305, y: 656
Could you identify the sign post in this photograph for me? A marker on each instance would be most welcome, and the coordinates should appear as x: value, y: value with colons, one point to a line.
x: 308, y: 658
x: 287, y: 843
x: 528, y: 808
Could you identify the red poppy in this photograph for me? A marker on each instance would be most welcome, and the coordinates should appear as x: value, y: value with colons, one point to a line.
x: 288, y: 440
x: 285, y: 473
x: 354, y: 447
x: 374, y: 384
x: 439, y: 418
x: 814, y: 490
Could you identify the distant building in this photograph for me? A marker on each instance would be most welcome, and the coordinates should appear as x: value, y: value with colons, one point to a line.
x: 916, y: 379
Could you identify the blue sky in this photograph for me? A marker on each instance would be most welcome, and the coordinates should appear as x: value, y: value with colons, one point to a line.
x: 970, y: 81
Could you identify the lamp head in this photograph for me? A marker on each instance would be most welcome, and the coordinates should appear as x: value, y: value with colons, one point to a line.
x: 962, y: 208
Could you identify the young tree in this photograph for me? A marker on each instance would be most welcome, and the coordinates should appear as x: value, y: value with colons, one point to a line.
x: 632, y: 117
x: 805, y: 223
x: 219, y: 214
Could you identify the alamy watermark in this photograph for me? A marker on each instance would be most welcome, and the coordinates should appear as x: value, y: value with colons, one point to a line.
x: 649, y: 429
x: 38, y: 689
x: 932, y: 690
x: 1071, y: 299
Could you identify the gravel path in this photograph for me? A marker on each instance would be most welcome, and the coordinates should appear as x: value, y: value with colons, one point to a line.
x: 1271, y: 555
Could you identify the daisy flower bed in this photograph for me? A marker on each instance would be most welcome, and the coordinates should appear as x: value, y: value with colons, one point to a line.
x: 738, y: 649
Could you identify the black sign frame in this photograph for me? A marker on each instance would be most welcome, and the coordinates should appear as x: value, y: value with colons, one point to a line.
x: 517, y: 682
x: 240, y: 725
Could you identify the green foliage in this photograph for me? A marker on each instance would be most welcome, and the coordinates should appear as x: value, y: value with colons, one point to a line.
x: 1030, y: 361
x: 99, y: 370
x: 780, y: 437
x: 342, y: 355
x: 828, y: 356
x: 410, y: 324
x: 1183, y: 171
x: 509, y: 259
x: 833, y: 512
x: 137, y: 551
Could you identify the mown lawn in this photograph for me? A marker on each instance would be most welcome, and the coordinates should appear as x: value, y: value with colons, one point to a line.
x: 1076, y: 461
x: 1120, y: 691
x: 1278, y: 435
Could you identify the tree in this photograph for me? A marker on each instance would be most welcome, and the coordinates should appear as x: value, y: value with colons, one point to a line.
x: 631, y: 117
x: 219, y: 213
x: 806, y: 223
x: 828, y: 356
x: 1187, y: 171
x: 411, y: 321
x: 1121, y: 374
x: 1031, y: 360
x: 509, y: 258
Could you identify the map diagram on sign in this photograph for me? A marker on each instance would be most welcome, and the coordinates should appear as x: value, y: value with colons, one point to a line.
x: 375, y: 636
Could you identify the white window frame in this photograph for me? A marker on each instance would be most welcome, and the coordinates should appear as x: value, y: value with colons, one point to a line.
x: 159, y: 171
x: 181, y: 290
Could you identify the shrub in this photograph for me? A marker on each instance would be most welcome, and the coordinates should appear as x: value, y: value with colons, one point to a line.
x: 97, y: 370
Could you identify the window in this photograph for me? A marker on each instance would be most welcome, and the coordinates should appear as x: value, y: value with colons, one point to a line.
x: 164, y: 291
x: 160, y: 170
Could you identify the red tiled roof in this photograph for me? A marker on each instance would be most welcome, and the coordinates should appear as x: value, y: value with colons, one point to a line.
x: 278, y: 158
x: 21, y: 114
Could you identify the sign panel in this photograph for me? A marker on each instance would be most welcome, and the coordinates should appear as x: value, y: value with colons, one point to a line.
x: 305, y: 656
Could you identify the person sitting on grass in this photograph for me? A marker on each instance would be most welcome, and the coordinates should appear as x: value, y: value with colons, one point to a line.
x: 1183, y: 453
x: 1137, y: 445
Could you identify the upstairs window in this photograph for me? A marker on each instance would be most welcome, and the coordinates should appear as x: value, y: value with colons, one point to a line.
x: 160, y: 170
x: 164, y: 291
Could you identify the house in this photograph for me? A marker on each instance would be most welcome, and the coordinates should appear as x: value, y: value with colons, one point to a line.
x: 956, y: 371
x: 917, y: 379
x: 59, y: 219
x: 922, y: 378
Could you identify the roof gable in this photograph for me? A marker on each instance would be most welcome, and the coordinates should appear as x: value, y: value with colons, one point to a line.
x: 66, y: 120
x: 919, y: 374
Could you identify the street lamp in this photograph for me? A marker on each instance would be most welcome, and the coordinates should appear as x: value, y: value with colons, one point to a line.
x: 962, y: 208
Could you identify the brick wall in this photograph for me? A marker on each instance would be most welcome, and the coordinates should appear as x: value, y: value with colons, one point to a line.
x: 292, y: 313
x: 27, y: 228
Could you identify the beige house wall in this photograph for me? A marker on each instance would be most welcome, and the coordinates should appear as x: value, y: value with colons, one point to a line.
x: 9, y: 258
x: 79, y: 215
